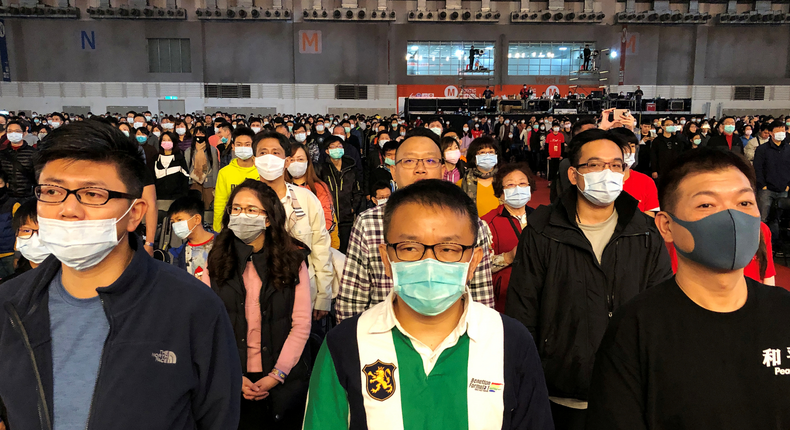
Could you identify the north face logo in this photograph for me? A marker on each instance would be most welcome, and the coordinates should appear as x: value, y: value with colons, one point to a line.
x: 165, y: 357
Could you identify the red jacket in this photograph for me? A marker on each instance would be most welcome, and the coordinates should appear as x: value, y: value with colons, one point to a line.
x: 504, y: 238
x: 555, y: 142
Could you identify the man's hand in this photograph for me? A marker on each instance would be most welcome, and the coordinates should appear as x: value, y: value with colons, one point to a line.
x: 248, y: 389
x: 317, y: 315
x: 605, y: 123
x: 626, y: 120
x: 655, y: 175
x: 511, y: 255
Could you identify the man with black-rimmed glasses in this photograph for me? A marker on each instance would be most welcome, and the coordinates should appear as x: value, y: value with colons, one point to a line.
x: 577, y: 261
x: 364, y: 283
x: 92, y: 337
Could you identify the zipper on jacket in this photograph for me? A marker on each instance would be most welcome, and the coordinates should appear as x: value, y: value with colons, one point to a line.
x: 43, y: 409
x: 610, y: 297
x: 101, y: 362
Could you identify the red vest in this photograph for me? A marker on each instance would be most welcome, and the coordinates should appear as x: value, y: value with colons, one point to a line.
x: 504, y: 239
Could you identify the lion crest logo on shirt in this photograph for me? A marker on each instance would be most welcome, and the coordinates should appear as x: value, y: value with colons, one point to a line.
x: 380, y: 380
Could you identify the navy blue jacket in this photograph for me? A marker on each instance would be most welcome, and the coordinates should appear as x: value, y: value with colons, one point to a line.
x: 772, y: 166
x: 169, y: 361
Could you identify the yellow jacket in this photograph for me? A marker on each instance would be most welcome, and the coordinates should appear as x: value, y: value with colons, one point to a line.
x: 229, y: 176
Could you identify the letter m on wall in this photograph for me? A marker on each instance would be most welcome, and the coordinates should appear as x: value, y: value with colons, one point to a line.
x: 310, y: 42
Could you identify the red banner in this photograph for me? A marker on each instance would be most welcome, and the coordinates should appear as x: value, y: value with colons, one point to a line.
x: 476, y: 91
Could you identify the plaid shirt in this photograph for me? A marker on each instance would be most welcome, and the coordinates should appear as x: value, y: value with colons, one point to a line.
x: 364, y: 283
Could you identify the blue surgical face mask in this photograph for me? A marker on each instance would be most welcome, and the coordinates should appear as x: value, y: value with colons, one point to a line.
x: 224, y: 140
x: 726, y: 240
x: 517, y: 197
x: 336, y: 153
x: 729, y: 129
x: 429, y: 286
x: 389, y: 161
x: 142, y: 139
x: 486, y: 161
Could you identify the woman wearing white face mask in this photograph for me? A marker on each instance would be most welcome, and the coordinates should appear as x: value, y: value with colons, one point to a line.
x: 258, y: 270
x: 302, y: 173
x: 513, y: 185
x: 25, y: 227
x: 184, y: 135
x: 483, y: 157
x: 171, y: 172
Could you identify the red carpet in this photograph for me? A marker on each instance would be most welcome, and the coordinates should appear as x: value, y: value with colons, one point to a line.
x: 541, y: 197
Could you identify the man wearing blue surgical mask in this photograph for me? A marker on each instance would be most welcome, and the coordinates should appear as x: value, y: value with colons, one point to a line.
x: 727, y: 140
x: 66, y: 332
x: 707, y: 349
x: 579, y: 260
x: 665, y: 149
x: 430, y: 356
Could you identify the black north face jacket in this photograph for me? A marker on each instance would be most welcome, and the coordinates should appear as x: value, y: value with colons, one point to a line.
x: 566, y: 298
x: 169, y: 361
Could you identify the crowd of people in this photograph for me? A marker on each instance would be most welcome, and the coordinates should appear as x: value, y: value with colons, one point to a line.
x: 392, y: 273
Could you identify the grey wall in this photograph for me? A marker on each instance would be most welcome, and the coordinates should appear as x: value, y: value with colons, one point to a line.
x: 373, y: 53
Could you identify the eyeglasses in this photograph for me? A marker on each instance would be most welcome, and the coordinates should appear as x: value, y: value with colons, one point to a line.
x: 89, y: 196
x: 25, y: 233
x: 250, y: 211
x: 411, y: 163
x: 598, y: 166
x: 444, y: 252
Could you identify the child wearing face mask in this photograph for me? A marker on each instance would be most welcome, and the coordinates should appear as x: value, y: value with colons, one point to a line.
x: 28, y: 243
x: 186, y: 217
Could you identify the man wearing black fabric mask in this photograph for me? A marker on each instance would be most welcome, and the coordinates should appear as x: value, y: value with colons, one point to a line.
x: 708, y: 349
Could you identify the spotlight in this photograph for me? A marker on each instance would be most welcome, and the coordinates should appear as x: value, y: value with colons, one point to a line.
x: 411, y: 15
x: 349, y: 14
x: 306, y: 14
x: 558, y: 16
x: 779, y: 17
x: 601, y: 16
x: 277, y: 14
x: 767, y: 18
x: 287, y: 13
x: 361, y: 14
x: 419, y: 15
x: 677, y: 16
x: 641, y: 17
x: 242, y: 13
x: 664, y: 17
x: 392, y: 14
x: 454, y: 16
x: 257, y: 14
x: 724, y: 17
x: 230, y: 13
x: 324, y: 14
x: 124, y: 12
x: 442, y: 15
x: 533, y: 16
x: 218, y: 13
x: 430, y: 15
x: 488, y: 15
x: 466, y: 15
x: 373, y: 15
x: 268, y: 14
x: 570, y: 16
x: 336, y: 14
x: 497, y: 15
x: 631, y: 16
x: 150, y: 12
x: 754, y: 18
x: 546, y: 16
x: 582, y: 15
x: 743, y: 17
x: 622, y: 16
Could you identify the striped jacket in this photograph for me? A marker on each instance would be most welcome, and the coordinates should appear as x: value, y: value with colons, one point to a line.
x: 370, y: 374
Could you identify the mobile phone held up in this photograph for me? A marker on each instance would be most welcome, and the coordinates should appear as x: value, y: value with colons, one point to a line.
x: 617, y: 113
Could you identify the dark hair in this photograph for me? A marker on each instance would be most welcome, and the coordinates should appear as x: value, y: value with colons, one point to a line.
x: 27, y: 211
x: 285, y: 144
x: 447, y: 142
x: 330, y: 140
x: 392, y: 145
x: 94, y: 141
x: 434, y: 193
x: 143, y: 130
x: 581, y: 123
x: 311, y: 177
x: 283, y: 256
x: 626, y: 135
x: 190, y: 204
x: 422, y: 132
x: 22, y: 124
x: 585, y: 137
x: 774, y: 125
x: 698, y: 161
x: 481, y: 142
x: 507, y: 169
x: 379, y: 185
x: 174, y: 138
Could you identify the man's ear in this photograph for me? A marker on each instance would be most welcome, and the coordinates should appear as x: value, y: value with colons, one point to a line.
x: 385, y: 259
x: 662, y: 223
x: 572, y: 175
x: 477, y: 257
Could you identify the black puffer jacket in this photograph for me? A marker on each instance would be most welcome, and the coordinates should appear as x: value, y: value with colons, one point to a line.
x: 345, y: 186
x: 18, y: 165
x: 565, y: 298
x: 276, y: 318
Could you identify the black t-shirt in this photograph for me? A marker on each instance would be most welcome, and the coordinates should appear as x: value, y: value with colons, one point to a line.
x: 667, y: 363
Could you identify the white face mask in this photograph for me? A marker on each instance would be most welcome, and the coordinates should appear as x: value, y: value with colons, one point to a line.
x: 256, y: 130
x: 243, y: 152
x: 181, y: 228
x: 181, y: 131
x: 300, y: 137
x: 125, y: 132
x: 270, y: 166
x: 602, y: 188
x: 148, y: 117
x: 80, y: 244
x: 780, y: 136
x: 319, y: 128
x: 556, y: 129
x: 297, y: 169
x: 55, y: 124
x: 168, y: 126
x: 381, y: 202
x: 138, y: 124
x: 342, y: 137
x: 437, y: 130
x: 14, y: 137
x: 630, y: 159
x: 157, y: 133
x: 32, y: 249
x: 247, y: 229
